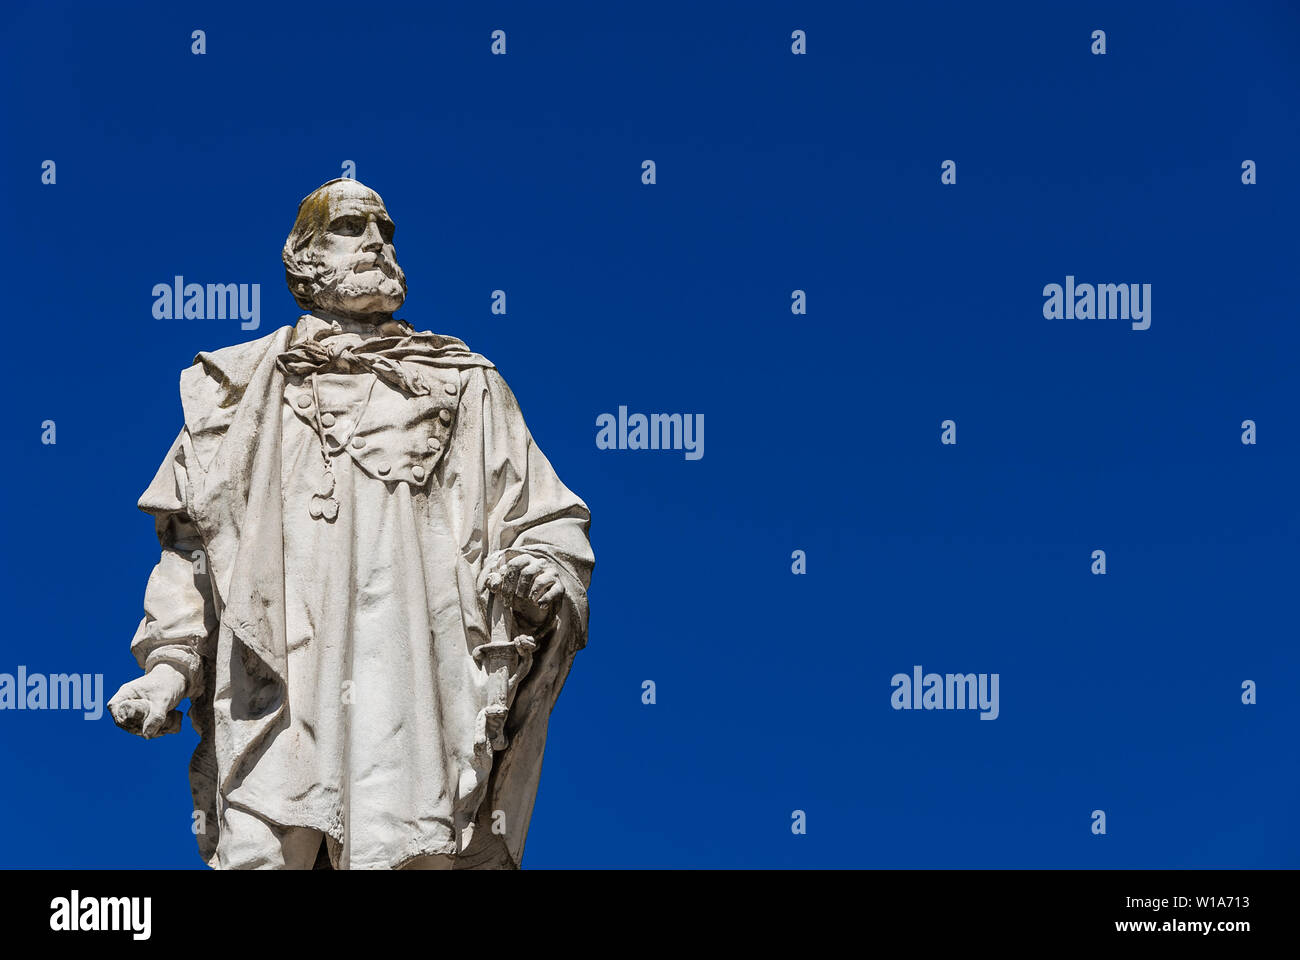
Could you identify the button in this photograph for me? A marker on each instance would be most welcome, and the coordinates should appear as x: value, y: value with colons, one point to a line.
x: 327, y: 419
x: 444, y: 415
x: 434, y: 444
x: 451, y: 388
x: 358, y: 443
x: 417, y: 472
x: 383, y: 469
x: 304, y: 402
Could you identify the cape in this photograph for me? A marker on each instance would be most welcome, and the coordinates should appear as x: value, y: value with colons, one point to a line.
x: 505, y: 497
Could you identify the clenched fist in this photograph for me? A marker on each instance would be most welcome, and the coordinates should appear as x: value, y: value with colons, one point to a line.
x: 530, y: 584
x: 147, y: 706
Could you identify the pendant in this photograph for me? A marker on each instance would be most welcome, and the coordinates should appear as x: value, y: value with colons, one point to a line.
x: 326, y: 507
x: 327, y: 484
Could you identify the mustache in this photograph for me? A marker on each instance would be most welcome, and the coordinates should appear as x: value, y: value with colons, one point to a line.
x: 374, y: 261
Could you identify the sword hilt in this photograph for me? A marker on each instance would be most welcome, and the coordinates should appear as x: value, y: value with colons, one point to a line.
x: 506, y: 658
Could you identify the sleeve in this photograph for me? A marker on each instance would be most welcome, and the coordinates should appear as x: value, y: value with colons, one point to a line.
x: 179, y: 615
x: 529, y: 510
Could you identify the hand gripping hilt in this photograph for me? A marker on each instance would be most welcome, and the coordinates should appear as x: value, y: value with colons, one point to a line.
x: 506, y: 658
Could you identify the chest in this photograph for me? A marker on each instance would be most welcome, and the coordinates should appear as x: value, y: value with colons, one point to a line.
x: 391, y: 435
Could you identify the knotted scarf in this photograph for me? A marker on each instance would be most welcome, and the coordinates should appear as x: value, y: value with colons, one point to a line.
x: 382, y: 356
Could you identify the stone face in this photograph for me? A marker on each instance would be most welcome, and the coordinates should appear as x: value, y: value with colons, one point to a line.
x: 372, y: 583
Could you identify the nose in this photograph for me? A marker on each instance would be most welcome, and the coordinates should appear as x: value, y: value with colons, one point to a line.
x: 372, y: 239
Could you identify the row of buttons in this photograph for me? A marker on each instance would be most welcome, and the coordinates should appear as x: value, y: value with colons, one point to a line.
x: 434, y: 443
x: 383, y: 468
x: 305, y: 401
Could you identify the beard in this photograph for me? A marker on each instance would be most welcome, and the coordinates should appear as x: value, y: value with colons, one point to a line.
x: 367, y: 293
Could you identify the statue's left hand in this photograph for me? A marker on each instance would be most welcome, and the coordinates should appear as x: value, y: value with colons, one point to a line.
x: 531, y: 585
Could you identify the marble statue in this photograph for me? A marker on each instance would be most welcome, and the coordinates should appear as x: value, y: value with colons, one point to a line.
x: 372, y: 582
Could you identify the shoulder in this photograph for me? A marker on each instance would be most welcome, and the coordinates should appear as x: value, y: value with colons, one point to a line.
x: 234, y: 365
x: 494, y: 388
x: 212, y: 388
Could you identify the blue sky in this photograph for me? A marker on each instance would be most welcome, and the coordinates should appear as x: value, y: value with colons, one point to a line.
x: 775, y: 172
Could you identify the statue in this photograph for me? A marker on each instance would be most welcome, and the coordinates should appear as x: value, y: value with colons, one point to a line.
x: 372, y: 582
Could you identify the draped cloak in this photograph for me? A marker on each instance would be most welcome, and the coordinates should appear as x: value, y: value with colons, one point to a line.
x: 492, y: 489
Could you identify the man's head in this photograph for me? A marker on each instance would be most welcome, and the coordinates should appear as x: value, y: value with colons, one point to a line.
x: 339, y: 257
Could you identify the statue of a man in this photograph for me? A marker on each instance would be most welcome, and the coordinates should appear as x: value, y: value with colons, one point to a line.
x: 372, y: 582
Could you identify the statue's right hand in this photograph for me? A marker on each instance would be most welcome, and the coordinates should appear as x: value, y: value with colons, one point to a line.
x: 147, y: 706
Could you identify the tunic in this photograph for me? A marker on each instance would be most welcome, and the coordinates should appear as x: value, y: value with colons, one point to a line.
x: 372, y: 739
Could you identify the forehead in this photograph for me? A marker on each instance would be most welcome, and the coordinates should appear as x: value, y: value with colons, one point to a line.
x: 352, y: 204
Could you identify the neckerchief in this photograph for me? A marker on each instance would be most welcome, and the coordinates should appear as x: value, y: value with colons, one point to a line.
x: 382, y: 356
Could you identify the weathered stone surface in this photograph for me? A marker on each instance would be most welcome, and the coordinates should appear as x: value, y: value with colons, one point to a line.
x: 372, y: 582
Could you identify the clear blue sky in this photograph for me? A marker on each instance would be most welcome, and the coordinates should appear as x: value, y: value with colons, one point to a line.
x: 775, y: 172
